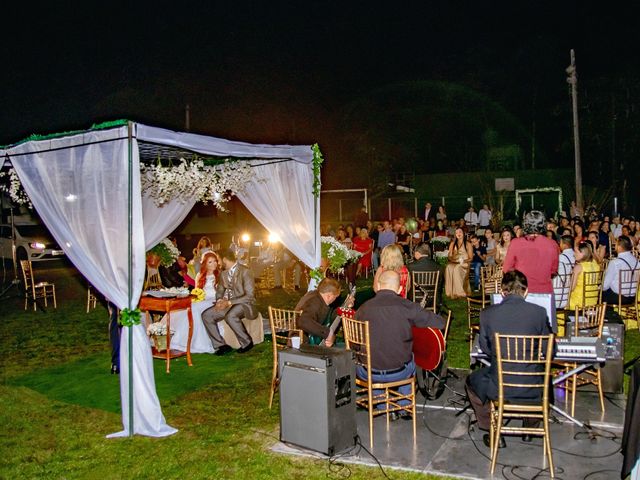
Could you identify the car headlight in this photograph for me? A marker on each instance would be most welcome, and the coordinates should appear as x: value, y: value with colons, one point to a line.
x: 37, y: 245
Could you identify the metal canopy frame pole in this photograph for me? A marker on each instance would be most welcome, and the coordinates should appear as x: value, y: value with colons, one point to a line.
x: 130, y: 268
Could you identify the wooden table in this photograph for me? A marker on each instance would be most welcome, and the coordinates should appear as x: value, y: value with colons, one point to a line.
x: 168, y: 305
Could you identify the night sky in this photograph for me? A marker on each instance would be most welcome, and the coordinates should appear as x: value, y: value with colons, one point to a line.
x: 412, y: 81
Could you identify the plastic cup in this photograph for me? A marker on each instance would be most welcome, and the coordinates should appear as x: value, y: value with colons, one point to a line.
x: 295, y: 342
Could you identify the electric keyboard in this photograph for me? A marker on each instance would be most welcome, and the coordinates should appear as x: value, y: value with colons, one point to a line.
x: 583, y: 349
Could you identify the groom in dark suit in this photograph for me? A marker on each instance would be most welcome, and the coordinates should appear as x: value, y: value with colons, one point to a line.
x: 235, y: 301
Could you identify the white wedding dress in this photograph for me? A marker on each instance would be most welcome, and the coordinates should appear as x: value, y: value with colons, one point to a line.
x: 200, y: 341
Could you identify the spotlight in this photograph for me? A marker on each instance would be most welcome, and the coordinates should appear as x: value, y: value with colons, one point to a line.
x: 274, y: 238
x: 245, y: 237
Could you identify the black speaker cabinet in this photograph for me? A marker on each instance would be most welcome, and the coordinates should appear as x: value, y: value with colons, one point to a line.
x: 317, y: 398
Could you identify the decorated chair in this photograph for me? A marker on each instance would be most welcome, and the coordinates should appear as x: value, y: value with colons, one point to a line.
x: 356, y: 334
x: 516, y: 355
x: 283, y: 327
x: 35, y: 291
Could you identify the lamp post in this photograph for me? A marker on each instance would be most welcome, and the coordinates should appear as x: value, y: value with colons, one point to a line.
x: 572, y: 79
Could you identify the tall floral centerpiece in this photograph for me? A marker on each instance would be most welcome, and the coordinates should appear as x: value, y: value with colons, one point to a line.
x: 164, y: 253
x: 335, y: 256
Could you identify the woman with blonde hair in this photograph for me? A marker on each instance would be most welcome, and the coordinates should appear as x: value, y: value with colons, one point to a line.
x: 585, y: 263
x: 391, y: 258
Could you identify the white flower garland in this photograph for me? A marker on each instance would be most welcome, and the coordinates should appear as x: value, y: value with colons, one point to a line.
x: 216, y: 184
x: 14, y: 189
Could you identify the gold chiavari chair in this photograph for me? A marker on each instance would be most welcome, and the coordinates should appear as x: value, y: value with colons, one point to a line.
x: 36, y: 290
x: 356, y: 334
x: 587, y: 322
x: 283, y: 327
x: 490, y: 280
x: 628, y: 286
x: 429, y: 283
x: 474, y: 307
x: 516, y: 356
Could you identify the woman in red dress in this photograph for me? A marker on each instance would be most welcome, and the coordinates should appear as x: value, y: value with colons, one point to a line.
x: 363, y: 244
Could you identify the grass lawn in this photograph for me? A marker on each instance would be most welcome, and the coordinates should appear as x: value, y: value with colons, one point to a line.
x: 59, y: 401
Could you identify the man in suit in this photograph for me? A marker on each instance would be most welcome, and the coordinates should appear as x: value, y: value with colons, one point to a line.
x: 514, y: 316
x: 235, y: 301
x: 429, y: 213
x: 423, y: 262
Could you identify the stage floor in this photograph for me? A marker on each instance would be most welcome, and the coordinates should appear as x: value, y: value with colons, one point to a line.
x: 447, y: 444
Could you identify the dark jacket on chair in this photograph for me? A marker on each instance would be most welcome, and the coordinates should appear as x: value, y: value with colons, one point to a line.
x: 514, y: 316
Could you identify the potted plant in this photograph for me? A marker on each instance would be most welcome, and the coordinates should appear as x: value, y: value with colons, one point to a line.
x: 158, y: 332
x: 164, y: 253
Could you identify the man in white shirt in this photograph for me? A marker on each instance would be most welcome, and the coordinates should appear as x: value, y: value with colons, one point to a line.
x: 471, y: 218
x: 567, y: 258
x: 484, y: 216
x: 611, y: 282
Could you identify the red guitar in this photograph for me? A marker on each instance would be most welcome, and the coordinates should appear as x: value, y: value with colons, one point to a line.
x: 428, y: 347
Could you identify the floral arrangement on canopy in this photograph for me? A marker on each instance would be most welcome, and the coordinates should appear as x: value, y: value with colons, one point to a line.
x: 207, y: 183
x: 164, y: 182
x: 166, y: 251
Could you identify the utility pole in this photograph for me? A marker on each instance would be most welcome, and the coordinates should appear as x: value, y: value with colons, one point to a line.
x: 573, y: 80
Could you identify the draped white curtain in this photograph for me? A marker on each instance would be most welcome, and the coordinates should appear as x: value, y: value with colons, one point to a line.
x: 79, y: 186
x: 280, y: 196
x: 161, y: 221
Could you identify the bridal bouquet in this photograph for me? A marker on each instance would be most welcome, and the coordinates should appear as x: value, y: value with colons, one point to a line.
x: 199, y: 295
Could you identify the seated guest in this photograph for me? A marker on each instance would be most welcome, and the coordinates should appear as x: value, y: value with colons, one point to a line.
x: 599, y: 251
x: 491, y: 246
x: 585, y: 263
x: 611, y: 283
x: 478, y: 259
x: 456, y: 274
x: 390, y: 320
x: 404, y: 239
x: 235, y: 301
x: 286, y: 261
x: 391, y: 259
x: 482, y: 384
x: 363, y: 244
x: 317, y: 316
x: 566, y: 262
x: 503, y: 245
x: 423, y: 262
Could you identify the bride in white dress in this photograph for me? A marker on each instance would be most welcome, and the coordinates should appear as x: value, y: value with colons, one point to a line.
x: 207, y: 280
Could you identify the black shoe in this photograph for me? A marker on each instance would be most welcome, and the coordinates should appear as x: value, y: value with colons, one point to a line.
x: 486, y: 439
x: 224, y: 349
x: 246, y: 348
x: 115, y: 370
x: 406, y: 416
x: 527, y: 438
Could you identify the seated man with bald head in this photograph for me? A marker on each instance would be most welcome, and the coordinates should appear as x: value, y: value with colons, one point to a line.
x: 390, y: 318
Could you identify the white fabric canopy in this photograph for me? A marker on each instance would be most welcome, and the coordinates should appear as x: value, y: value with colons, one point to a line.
x: 79, y: 184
